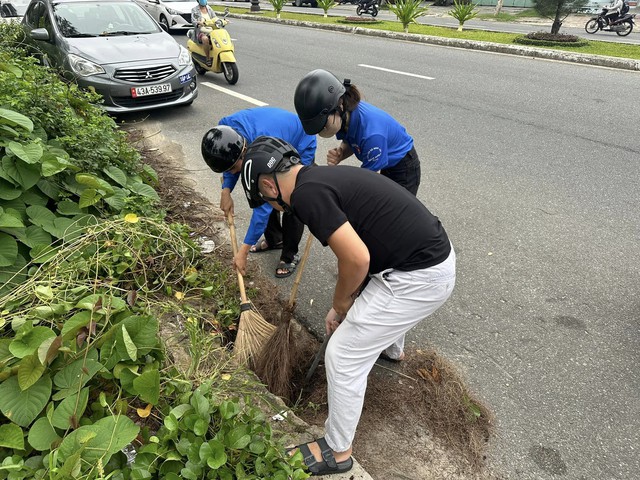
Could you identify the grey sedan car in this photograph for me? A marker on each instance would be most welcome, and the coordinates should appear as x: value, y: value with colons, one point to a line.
x: 114, y: 47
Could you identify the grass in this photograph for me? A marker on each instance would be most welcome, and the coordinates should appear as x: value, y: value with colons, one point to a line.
x: 610, y: 49
x: 508, y: 17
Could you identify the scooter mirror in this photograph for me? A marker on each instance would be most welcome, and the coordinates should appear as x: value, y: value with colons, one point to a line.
x: 226, y: 11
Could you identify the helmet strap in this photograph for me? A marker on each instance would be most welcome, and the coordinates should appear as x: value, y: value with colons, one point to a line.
x: 278, y: 199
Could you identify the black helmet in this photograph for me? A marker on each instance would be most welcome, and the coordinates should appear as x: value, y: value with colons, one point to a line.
x: 317, y: 95
x: 265, y: 155
x: 221, y: 148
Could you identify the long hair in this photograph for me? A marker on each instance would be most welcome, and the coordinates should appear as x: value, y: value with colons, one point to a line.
x: 351, y: 97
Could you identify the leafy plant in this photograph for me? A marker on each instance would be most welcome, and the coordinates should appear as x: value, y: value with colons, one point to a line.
x: 407, y: 12
x: 277, y: 5
x: 217, y: 438
x: 462, y: 12
x: 325, y: 5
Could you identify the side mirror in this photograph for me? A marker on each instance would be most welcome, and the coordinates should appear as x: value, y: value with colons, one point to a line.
x: 164, y: 27
x: 40, y: 34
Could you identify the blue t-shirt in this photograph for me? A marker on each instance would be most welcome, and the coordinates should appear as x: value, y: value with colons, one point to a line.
x: 274, y: 122
x: 376, y: 138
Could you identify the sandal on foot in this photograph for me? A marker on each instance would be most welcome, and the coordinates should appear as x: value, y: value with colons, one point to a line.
x: 328, y: 464
x: 287, y: 268
x: 386, y: 357
x: 263, y: 246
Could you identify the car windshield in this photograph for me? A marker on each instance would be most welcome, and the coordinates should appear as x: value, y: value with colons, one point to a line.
x: 92, y: 19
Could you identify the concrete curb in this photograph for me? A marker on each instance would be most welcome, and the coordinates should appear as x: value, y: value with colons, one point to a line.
x: 524, y: 51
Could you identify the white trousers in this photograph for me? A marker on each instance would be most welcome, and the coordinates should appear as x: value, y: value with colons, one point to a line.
x: 391, y: 304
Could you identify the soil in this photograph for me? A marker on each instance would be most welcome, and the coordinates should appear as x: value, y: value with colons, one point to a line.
x: 419, y: 421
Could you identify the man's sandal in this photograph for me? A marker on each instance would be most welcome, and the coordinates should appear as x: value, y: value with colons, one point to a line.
x: 263, y: 246
x: 287, y: 268
x: 328, y: 464
x: 384, y: 356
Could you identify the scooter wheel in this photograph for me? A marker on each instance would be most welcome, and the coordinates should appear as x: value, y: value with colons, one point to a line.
x: 592, y: 26
x: 359, y: 10
x: 200, y: 70
x: 231, y: 73
x: 628, y: 28
x: 374, y: 11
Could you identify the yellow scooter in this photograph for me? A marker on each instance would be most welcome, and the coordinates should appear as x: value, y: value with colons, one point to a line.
x: 223, y: 59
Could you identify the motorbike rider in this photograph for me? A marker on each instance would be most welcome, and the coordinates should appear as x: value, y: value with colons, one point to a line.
x: 327, y: 107
x: 199, y: 14
x: 223, y: 149
x: 366, y: 4
x: 613, y: 11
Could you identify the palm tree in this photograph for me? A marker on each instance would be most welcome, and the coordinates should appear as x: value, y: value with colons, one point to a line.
x: 462, y: 12
x: 326, y: 5
x: 277, y: 5
x: 407, y: 11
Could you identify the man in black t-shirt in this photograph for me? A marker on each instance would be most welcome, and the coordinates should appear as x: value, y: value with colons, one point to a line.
x: 379, y: 232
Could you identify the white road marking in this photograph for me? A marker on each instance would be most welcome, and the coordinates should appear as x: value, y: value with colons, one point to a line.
x: 235, y: 94
x: 396, y: 71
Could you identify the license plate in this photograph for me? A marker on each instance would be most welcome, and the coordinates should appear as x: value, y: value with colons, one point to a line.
x: 150, y: 90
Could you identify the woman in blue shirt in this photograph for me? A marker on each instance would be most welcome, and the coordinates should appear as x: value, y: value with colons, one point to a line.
x: 223, y: 149
x: 328, y: 107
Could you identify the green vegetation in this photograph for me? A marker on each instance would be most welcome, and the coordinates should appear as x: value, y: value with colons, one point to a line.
x: 91, y: 274
x: 611, y: 49
x: 463, y: 11
x: 407, y: 12
x: 277, y: 5
x: 509, y: 17
x: 325, y: 5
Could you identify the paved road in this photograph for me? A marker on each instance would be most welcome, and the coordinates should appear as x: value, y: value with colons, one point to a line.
x: 573, y: 25
x: 535, y: 178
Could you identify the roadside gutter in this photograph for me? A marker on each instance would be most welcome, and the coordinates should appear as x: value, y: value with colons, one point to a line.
x: 521, y: 50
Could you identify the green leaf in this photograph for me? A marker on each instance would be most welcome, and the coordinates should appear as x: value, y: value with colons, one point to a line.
x: 29, y: 371
x: 75, y: 323
x: 148, y: 386
x: 238, y: 438
x: 171, y: 423
x: 8, y: 220
x: 41, y: 216
x: 75, y: 376
x: 34, y: 236
x: 258, y: 447
x: 213, y: 453
x: 27, y: 343
x: 96, y: 183
x: 143, y: 190
x: 22, y: 173
x: 200, y: 404
x: 15, y: 119
x: 100, y: 440
x: 29, y: 153
x: 71, y: 407
x: 67, y: 207
x: 11, y: 436
x: 49, y: 188
x: 132, y: 350
x: 44, y: 292
x: 42, y: 434
x: 180, y: 410
x: 229, y: 409
x: 88, y: 197
x: 117, y: 200
x: 114, y: 173
x: 34, y: 197
x: 9, y: 191
x: 8, y: 250
x: 108, y: 303
x: 13, y: 276
x: 52, y: 164
x: 22, y: 407
x: 48, y: 350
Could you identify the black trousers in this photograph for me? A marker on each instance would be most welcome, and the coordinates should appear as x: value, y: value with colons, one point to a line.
x: 406, y: 172
x: 289, y: 233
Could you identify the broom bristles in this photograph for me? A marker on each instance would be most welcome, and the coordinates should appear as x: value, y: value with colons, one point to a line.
x: 274, y: 365
x: 253, y: 333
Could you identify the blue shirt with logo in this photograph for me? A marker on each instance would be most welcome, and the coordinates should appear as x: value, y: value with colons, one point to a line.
x: 376, y: 138
x: 274, y: 122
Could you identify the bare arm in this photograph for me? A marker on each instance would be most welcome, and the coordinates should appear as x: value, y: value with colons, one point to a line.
x: 353, y: 266
x: 338, y: 154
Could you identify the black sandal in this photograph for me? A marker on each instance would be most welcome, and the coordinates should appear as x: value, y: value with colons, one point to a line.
x: 328, y: 464
x: 289, y: 268
x: 263, y: 246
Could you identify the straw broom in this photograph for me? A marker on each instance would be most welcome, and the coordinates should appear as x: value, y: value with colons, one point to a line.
x: 253, y: 330
x: 280, y: 354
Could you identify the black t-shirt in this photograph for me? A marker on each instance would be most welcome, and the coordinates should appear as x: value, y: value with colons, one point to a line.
x: 395, y: 226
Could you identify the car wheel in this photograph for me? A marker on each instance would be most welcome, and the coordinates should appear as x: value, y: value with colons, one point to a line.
x: 165, y: 23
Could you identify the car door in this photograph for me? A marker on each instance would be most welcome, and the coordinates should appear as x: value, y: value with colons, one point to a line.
x: 48, y: 51
x: 153, y: 7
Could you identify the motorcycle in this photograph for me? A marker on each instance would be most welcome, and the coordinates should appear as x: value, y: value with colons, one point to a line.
x: 223, y: 59
x: 368, y: 6
x: 622, y: 25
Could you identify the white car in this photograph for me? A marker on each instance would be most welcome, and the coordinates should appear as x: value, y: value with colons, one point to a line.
x: 170, y: 13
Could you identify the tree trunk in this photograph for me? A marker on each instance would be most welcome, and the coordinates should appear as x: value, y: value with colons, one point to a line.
x: 555, y: 28
x: 499, y: 7
x: 460, y: 27
x: 406, y: 29
x: 278, y: 15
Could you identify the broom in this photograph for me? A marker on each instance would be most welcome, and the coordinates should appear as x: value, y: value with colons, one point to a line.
x: 280, y: 354
x: 253, y: 330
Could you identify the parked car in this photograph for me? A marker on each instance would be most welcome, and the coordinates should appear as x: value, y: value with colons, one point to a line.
x: 170, y: 13
x: 299, y: 3
x: 12, y: 11
x: 114, y: 47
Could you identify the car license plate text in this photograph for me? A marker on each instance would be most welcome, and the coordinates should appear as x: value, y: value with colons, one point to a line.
x: 150, y: 90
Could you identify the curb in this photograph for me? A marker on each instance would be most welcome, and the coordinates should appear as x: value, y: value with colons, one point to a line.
x: 523, y: 51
